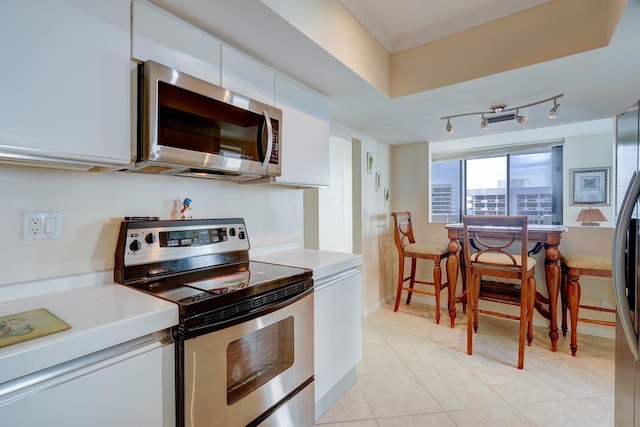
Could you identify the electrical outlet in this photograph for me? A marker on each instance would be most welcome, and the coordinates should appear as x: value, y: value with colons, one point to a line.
x: 42, y: 225
x: 35, y: 224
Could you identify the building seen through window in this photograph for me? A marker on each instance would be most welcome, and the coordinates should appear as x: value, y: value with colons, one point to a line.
x: 506, y: 184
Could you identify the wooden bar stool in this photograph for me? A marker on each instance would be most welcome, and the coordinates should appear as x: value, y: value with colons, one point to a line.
x: 575, y: 265
x: 498, y: 270
x: 408, y: 248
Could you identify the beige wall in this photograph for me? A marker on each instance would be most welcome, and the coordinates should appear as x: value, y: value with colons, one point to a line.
x: 93, y: 205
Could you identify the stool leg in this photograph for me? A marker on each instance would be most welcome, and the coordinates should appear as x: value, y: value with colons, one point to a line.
x: 563, y: 299
x: 413, y: 279
x: 573, y: 297
x: 471, y: 309
x: 400, y: 280
x: 531, y: 299
x: 437, y: 284
x: 477, y: 280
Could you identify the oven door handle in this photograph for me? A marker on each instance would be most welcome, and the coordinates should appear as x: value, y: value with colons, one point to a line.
x: 194, y: 331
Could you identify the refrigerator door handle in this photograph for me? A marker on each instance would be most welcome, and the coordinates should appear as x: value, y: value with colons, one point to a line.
x: 617, y: 262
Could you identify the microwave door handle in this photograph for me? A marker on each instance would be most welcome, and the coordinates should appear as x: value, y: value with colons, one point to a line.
x: 617, y: 263
x: 267, y: 154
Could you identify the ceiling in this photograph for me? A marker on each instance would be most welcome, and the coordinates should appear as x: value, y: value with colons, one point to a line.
x: 403, y: 24
x: 597, y: 84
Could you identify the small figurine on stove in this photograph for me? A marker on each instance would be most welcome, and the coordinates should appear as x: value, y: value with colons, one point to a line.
x: 186, y: 209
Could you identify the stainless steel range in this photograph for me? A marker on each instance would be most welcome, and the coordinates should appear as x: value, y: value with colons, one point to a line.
x: 244, y: 353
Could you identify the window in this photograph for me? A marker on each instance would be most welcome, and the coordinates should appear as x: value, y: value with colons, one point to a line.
x: 518, y: 183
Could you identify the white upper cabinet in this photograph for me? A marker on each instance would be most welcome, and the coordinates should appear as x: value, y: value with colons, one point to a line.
x: 243, y: 75
x: 164, y: 38
x: 65, y: 95
x: 304, y: 135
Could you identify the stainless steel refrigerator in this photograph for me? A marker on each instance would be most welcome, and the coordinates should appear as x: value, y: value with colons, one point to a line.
x: 625, y: 264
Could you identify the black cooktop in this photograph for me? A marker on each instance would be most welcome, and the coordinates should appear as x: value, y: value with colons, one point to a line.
x: 202, y: 290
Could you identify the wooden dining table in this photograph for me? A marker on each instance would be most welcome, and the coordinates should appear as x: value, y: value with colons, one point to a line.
x: 545, y: 237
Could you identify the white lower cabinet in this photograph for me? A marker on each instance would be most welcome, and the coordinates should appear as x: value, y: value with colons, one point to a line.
x: 338, y: 335
x: 121, y: 386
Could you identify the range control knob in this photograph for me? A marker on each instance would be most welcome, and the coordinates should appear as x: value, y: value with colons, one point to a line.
x: 241, y: 235
x: 135, y: 246
x: 232, y: 231
x: 150, y: 238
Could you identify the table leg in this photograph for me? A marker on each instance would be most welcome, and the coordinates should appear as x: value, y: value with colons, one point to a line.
x: 452, y: 277
x: 552, y: 256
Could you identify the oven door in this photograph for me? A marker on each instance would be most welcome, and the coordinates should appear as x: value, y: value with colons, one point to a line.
x: 251, y: 372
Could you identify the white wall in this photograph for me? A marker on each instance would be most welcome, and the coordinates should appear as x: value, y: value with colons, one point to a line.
x: 371, y: 226
x: 93, y: 206
x: 335, y: 217
x: 587, y: 151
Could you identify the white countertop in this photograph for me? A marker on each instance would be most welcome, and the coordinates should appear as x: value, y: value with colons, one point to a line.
x: 100, y: 316
x: 323, y: 263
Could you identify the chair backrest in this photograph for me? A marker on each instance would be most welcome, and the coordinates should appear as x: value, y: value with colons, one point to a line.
x: 494, y: 238
x: 403, y: 230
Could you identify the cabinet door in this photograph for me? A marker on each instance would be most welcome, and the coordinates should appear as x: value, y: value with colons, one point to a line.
x: 244, y: 75
x: 304, y: 136
x: 66, y: 80
x: 337, y: 329
x: 126, y: 391
x: 164, y: 38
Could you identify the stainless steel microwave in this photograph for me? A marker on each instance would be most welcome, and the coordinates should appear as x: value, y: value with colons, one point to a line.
x: 190, y: 127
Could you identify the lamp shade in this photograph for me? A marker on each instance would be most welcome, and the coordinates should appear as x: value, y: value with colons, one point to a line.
x: 591, y: 217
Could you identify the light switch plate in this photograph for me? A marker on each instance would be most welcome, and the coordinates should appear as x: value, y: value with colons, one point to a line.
x: 42, y: 225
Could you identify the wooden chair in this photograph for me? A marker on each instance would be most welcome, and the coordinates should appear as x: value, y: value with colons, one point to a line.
x: 495, y: 274
x: 573, y: 266
x: 408, y: 248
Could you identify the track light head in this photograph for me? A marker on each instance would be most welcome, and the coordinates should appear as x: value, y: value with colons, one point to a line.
x: 448, y: 127
x: 553, y: 113
x: 484, y: 124
x: 520, y: 119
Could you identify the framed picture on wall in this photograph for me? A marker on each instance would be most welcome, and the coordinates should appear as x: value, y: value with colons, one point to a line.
x: 589, y: 186
x: 369, y: 162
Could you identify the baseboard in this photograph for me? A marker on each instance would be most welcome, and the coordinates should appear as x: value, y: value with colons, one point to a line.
x: 335, y: 393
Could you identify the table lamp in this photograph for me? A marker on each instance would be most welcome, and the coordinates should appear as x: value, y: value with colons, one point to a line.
x: 591, y: 217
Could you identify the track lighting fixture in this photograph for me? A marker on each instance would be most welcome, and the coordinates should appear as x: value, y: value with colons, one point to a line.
x: 493, y: 112
x: 520, y: 119
x: 448, y: 128
x: 553, y: 113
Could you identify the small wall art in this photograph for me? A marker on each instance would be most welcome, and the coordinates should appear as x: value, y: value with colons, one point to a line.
x: 369, y: 162
x: 377, y: 181
x: 590, y: 186
x: 386, y: 197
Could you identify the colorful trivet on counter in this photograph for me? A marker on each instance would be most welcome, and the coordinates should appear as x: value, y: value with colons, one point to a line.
x: 28, y: 325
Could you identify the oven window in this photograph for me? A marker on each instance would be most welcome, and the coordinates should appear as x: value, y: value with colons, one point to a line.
x: 255, y: 359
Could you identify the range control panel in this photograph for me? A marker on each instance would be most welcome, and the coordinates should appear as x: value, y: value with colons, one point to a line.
x: 143, y: 242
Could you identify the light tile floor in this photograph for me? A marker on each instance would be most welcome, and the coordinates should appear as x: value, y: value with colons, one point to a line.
x: 415, y: 373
